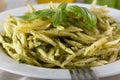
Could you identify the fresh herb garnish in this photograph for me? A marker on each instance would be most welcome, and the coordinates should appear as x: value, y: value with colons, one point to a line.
x: 60, y: 16
x: 37, y: 14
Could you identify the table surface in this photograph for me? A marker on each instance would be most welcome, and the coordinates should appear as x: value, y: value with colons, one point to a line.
x: 10, y: 76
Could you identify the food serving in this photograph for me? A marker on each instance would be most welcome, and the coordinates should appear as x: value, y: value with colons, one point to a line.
x: 62, y: 37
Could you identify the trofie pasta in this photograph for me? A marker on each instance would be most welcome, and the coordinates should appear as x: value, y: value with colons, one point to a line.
x: 62, y: 37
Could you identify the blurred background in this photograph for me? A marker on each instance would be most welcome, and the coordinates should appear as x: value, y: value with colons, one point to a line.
x: 10, y: 4
x: 110, y: 3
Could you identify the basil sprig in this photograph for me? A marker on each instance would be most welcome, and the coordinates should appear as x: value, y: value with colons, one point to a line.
x: 60, y: 16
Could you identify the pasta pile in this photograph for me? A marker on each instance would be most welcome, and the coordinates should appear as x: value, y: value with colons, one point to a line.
x: 37, y: 42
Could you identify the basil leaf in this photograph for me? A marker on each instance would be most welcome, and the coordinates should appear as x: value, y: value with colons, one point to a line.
x: 62, y: 6
x: 45, y: 13
x: 30, y: 16
x: 89, y: 18
x: 57, y: 18
x: 74, y: 9
x: 37, y: 14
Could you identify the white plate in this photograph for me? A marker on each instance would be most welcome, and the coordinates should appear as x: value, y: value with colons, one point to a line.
x: 10, y: 65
